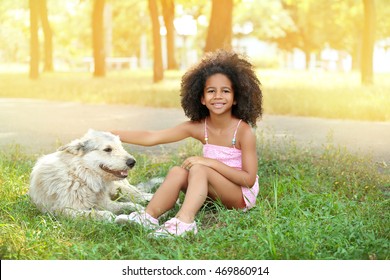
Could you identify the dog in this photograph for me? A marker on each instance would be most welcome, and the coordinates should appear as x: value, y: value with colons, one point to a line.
x: 82, y: 179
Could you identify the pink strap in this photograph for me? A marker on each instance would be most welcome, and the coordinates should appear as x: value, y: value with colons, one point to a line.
x: 206, y: 137
x: 234, y: 137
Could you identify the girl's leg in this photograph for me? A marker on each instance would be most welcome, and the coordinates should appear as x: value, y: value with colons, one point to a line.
x: 166, y: 195
x: 203, y: 182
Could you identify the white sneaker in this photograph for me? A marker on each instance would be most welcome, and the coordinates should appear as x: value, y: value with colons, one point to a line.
x: 141, y: 218
x: 175, y: 227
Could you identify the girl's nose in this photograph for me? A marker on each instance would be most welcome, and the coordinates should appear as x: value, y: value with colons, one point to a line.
x: 218, y: 93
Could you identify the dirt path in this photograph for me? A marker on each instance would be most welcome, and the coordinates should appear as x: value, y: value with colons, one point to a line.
x: 41, y: 126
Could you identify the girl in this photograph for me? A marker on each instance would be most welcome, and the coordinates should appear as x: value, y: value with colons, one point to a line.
x: 222, y: 97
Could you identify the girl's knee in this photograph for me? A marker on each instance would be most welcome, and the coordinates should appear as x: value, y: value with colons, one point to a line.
x: 177, y: 171
x: 199, y: 172
x: 198, y: 169
x: 177, y: 174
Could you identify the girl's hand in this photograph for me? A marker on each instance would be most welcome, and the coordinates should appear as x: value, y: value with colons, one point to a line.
x: 191, y: 161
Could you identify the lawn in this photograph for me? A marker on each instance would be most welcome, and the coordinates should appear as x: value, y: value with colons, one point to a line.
x: 316, y: 94
x: 332, y: 205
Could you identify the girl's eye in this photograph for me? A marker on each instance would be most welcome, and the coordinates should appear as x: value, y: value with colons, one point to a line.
x: 108, y: 150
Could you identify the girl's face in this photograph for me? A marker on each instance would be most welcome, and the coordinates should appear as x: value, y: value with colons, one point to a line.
x: 218, y: 94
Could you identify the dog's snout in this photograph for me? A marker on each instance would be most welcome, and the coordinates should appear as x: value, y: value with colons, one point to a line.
x: 130, y: 162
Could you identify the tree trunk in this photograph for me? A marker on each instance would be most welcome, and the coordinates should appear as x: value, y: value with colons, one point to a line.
x: 307, y: 59
x: 158, y: 71
x: 48, y: 34
x: 219, y: 34
x: 368, y: 42
x: 34, y: 41
x: 168, y: 7
x: 98, y: 38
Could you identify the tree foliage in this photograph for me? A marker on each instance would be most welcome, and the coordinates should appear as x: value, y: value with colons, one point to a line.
x: 308, y: 25
x: 131, y: 22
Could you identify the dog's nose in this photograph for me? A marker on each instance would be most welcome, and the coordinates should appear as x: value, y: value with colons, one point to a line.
x: 130, y: 162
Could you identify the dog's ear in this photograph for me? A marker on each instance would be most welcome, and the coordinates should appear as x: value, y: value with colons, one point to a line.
x: 76, y: 147
x: 91, y: 132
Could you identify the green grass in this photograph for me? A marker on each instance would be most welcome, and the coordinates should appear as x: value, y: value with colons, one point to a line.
x: 327, y: 205
x: 316, y: 94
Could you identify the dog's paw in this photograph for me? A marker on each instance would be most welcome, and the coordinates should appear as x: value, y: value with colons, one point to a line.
x: 151, y: 185
x: 130, y: 206
x: 111, y: 218
x: 106, y: 216
x: 122, y: 219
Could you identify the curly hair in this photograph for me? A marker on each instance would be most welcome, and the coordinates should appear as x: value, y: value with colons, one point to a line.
x: 246, y: 86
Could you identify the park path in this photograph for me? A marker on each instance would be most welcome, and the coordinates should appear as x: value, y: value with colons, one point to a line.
x: 40, y: 126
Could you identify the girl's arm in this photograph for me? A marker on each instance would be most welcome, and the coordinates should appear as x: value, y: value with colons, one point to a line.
x: 244, y: 177
x: 151, y: 138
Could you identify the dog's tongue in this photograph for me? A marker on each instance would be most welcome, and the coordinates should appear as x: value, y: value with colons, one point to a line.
x: 124, y: 173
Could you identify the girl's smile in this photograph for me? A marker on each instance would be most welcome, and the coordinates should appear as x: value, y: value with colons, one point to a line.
x: 218, y: 105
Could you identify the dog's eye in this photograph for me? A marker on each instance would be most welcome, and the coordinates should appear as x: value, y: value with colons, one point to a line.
x: 108, y: 150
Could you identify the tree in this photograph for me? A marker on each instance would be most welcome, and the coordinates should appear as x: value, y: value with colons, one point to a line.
x: 266, y: 20
x: 368, y: 42
x: 38, y: 11
x: 34, y: 40
x: 127, y: 41
x: 168, y: 8
x: 382, y: 24
x: 99, y: 55
x: 158, y: 71
x: 219, y: 34
x: 317, y: 24
x: 307, y: 34
x: 48, y: 35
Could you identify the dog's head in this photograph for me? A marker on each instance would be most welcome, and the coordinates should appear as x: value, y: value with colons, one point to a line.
x: 103, y: 153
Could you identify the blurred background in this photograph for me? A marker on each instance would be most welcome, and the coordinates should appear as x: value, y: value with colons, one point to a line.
x: 110, y: 35
x: 314, y: 58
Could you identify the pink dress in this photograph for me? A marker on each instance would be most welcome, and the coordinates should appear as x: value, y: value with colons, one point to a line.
x: 233, y: 158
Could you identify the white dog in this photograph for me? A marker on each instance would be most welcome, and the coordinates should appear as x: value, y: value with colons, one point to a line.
x: 82, y: 177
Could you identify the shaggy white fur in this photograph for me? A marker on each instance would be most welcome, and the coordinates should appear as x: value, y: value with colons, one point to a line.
x: 83, y: 177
